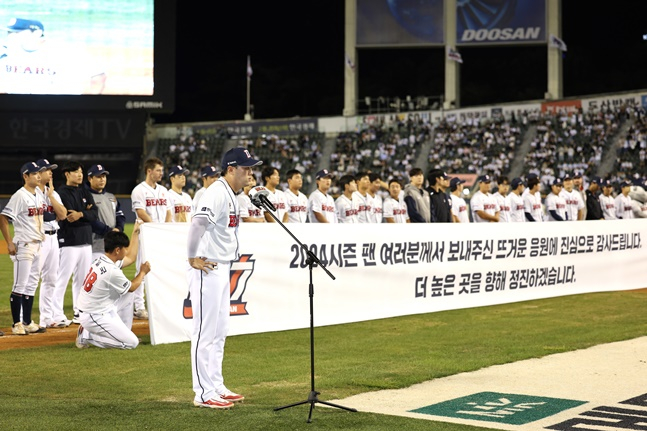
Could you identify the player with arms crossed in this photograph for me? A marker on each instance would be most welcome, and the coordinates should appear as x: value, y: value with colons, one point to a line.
x: 105, y: 283
x: 212, y: 246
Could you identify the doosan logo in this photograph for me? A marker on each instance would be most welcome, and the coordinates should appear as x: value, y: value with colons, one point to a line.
x: 138, y: 104
x: 501, y: 34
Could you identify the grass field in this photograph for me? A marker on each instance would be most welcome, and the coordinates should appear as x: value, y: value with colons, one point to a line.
x: 63, y: 388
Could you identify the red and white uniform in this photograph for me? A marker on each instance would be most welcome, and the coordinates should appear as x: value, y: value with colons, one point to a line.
x: 278, y: 199
x: 459, y: 209
x: 532, y: 205
x: 396, y: 209
x: 504, y: 208
x: 181, y: 206
x: 608, y: 205
x: 378, y: 209
x: 574, y: 203
x: 558, y: 204
x: 210, y: 295
x: 26, y: 209
x: 297, y: 207
x: 483, y: 202
x: 624, y: 207
x: 103, y: 287
x: 517, y: 209
x: 247, y: 208
x: 364, y: 206
x: 346, y: 212
x: 323, y: 204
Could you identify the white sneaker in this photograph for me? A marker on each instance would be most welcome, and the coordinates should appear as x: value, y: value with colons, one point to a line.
x: 231, y: 396
x: 214, y: 403
x: 60, y: 324
x: 19, y: 329
x: 33, y: 328
x: 76, y: 320
x: 141, y: 314
x: 79, y: 339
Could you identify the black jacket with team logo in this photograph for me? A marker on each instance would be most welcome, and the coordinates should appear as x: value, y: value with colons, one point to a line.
x: 80, y: 231
x: 440, y: 206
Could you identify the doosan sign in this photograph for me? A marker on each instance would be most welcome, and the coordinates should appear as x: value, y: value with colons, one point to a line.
x: 502, y: 35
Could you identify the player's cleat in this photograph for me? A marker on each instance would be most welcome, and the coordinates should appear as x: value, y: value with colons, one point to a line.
x: 141, y: 314
x: 1, y: 334
x: 60, y: 324
x: 231, y: 396
x: 79, y: 339
x: 76, y: 320
x: 214, y: 403
x: 33, y: 328
x: 19, y: 329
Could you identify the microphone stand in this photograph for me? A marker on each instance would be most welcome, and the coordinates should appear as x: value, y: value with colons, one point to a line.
x: 312, y: 261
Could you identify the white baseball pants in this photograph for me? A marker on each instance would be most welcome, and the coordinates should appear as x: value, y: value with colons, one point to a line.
x: 107, y: 331
x: 75, y: 262
x: 47, y: 272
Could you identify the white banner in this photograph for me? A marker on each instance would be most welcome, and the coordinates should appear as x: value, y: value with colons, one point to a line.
x: 393, y: 270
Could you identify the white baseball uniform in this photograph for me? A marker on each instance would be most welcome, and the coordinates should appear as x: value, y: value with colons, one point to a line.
x: 517, y: 209
x: 346, y: 212
x: 459, y: 208
x: 297, y: 206
x: 155, y: 201
x: 210, y: 296
x: 608, y: 205
x: 196, y: 198
x: 504, y: 208
x: 103, y: 286
x: 483, y: 202
x: 247, y: 208
x: 532, y: 205
x: 396, y: 209
x: 323, y: 204
x: 364, y: 206
x: 181, y: 206
x: 278, y: 199
x: 624, y: 207
x: 556, y: 203
x: 574, y: 203
x: 378, y: 208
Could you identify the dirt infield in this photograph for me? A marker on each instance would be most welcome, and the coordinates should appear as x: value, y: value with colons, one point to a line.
x: 54, y: 336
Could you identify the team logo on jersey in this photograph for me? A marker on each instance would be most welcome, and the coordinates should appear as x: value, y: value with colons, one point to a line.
x: 240, y: 272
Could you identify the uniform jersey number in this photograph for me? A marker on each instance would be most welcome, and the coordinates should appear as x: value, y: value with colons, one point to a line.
x: 89, y: 280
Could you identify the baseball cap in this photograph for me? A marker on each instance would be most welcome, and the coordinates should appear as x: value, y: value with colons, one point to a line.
x: 177, y: 170
x: 531, y: 175
x: 96, y: 170
x: 625, y: 184
x: 484, y: 179
x: 606, y: 183
x: 45, y: 164
x: 30, y: 168
x: 516, y: 182
x: 577, y: 174
x: 558, y: 182
x: 596, y: 180
x: 239, y: 157
x: 322, y: 174
x: 20, y: 24
x: 436, y: 173
x: 568, y: 176
x: 454, y: 182
x: 209, y: 171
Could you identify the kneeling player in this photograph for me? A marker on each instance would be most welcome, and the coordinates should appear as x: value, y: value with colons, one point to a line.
x: 103, y: 286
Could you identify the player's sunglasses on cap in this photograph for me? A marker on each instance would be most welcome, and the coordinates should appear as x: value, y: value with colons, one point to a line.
x: 45, y: 164
x: 30, y: 168
x: 239, y: 157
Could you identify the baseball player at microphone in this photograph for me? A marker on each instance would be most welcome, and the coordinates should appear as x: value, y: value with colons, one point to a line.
x: 212, y: 246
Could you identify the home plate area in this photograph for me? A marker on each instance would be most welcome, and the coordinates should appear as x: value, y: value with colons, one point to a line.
x: 602, y: 388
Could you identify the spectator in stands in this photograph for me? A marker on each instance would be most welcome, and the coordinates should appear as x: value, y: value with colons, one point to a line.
x: 440, y: 207
x: 574, y: 203
x: 532, y: 200
x: 271, y: 179
x: 376, y: 199
x: 624, y: 207
x: 395, y: 209
x: 209, y: 175
x: 362, y: 201
x: 500, y: 197
x: 555, y: 202
x: 607, y: 202
x: 321, y: 206
x: 515, y: 201
x: 344, y: 204
x: 179, y: 200
x: 248, y: 212
x: 593, y: 206
x: 417, y: 198
x: 459, y: 206
x: 484, y: 207
x: 297, y: 202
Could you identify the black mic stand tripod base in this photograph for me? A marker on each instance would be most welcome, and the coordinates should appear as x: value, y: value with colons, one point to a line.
x: 312, y: 261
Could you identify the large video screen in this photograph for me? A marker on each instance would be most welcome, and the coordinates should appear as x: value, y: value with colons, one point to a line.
x: 104, y: 54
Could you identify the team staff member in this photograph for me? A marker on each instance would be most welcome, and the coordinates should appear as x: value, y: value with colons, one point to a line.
x: 152, y: 205
x: 110, y: 217
x: 212, y: 246
x: 25, y: 209
x: 104, y: 285
x: 593, y: 206
x: 47, y: 271
x: 321, y: 206
x: 417, y: 198
x: 75, y: 235
x: 439, y: 203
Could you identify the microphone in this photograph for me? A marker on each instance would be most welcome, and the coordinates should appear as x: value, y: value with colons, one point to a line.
x: 259, y: 197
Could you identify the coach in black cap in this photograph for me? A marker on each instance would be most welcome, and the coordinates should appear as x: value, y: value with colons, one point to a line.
x: 593, y: 207
x: 439, y: 204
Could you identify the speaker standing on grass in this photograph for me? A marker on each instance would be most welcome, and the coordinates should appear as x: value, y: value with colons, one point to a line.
x: 212, y: 246
x: 25, y: 209
x: 104, y: 285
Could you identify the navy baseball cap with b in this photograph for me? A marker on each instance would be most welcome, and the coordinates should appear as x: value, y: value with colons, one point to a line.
x: 20, y: 24
x: 625, y: 184
x: 484, y: 179
x: 516, y: 182
x: 177, y: 170
x: 596, y: 180
x: 239, y: 157
x: 30, y: 168
x: 454, y: 182
x: 209, y: 171
x: 558, y: 182
x: 606, y: 183
x: 97, y: 170
x: 45, y: 164
x: 323, y: 174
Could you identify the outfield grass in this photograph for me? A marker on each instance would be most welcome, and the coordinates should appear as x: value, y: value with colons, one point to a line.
x: 63, y: 388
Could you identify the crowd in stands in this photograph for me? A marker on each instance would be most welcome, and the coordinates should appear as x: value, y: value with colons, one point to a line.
x: 632, y: 155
